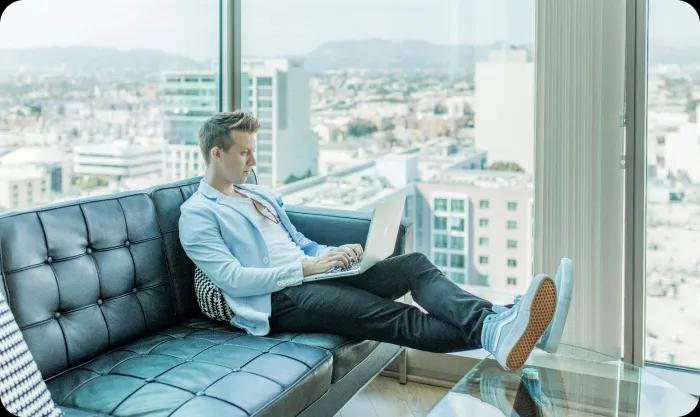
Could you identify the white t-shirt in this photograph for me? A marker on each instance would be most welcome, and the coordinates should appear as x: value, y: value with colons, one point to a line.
x: 280, y: 245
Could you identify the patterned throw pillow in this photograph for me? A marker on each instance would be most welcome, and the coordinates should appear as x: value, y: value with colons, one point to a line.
x: 210, y: 298
x: 22, y: 388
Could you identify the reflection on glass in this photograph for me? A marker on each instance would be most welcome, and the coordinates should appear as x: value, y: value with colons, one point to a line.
x: 575, y: 382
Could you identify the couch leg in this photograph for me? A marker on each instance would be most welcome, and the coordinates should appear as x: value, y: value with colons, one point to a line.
x: 403, y: 366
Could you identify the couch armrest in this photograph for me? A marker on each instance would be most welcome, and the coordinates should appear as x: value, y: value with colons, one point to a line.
x: 335, y: 227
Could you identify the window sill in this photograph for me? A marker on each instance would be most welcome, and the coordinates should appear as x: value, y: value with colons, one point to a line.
x: 686, y: 380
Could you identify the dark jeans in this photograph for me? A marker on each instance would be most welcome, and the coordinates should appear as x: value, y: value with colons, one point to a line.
x: 363, y: 307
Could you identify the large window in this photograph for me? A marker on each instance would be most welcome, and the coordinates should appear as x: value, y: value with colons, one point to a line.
x: 99, y: 97
x: 434, y: 98
x: 673, y: 185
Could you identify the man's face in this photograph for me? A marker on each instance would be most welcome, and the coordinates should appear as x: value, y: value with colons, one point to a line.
x: 235, y: 163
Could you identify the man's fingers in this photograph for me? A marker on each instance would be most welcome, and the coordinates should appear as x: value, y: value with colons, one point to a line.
x: 343, y: 257
x: 346, y: 250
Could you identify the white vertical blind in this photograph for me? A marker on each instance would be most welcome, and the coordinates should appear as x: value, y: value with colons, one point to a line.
x: 580, y: 53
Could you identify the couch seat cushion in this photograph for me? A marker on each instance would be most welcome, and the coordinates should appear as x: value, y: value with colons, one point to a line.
x: 198, y: 368
x: 347, y: 353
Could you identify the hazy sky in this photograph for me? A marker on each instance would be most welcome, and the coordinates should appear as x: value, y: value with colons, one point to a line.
x: 275, y: 27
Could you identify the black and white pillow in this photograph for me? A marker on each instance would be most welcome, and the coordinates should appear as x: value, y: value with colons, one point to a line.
x: 210, y: 298
x: 22, y: 388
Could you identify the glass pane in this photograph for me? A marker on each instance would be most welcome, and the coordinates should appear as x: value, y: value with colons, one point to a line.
x: 673, y: 185
x: 433, y: 98
x: 457, y: 261
x: 440, y: 223
x: 100, y: 97
x: 440, y: 241
x: 440, y: 204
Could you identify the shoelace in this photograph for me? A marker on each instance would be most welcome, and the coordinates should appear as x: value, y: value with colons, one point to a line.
x: 498, y: 309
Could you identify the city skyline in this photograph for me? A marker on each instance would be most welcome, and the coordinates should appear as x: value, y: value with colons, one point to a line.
x: 471, y: 22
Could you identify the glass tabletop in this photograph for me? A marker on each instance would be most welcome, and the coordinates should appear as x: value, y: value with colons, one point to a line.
x: 574, y: 382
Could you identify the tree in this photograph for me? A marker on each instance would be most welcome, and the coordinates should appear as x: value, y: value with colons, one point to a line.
x: 293, y: 178
x: 361, y: 127
x: 440, y: 109
x: 506, y: 166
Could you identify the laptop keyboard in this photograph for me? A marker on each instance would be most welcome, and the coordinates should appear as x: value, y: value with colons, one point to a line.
x: 353, y: 265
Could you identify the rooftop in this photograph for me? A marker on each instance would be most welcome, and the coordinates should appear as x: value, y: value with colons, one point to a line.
x: 483, y: 178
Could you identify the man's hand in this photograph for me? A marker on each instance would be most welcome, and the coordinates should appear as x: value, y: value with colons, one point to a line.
x: 323, y: 263
x: 354, y: 250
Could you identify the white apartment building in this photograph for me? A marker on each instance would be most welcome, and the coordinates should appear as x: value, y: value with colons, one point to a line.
x: 504, y: 107
x: 118, y: 159
x: 477, y: 227
x: 23, y: 187
x: 58, y: 165
x: 277, y: 92
x: 182, y: 161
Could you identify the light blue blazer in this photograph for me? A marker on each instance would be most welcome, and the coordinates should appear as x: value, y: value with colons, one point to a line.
x: 229, y: 248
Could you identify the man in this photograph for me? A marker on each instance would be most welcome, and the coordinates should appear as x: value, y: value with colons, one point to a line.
x: 241, y: 238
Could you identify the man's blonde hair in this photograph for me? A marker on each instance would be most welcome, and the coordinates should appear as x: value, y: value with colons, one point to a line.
x: 216, y: 131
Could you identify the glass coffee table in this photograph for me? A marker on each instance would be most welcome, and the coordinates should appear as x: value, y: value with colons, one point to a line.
x: 573, y: 382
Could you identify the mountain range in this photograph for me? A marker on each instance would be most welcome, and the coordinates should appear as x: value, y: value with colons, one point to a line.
x: 370, y: 54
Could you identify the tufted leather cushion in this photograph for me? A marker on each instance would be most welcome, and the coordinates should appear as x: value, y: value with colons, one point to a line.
x: 83, y: 278
x: 198, y: 368
x: 347, y: 353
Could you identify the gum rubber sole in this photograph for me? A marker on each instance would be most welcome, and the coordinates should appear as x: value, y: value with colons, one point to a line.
x: 541, y: 313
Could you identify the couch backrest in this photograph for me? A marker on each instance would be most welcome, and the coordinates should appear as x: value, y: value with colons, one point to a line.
x: 85, y: 276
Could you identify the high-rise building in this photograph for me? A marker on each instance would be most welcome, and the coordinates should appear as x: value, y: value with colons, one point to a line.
x: 476, y: 225
x: 188, y: 99
x: 504, y: 107
x: 277, y: 91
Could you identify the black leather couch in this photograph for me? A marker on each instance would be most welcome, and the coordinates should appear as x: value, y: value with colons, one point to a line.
x: 103, y: 294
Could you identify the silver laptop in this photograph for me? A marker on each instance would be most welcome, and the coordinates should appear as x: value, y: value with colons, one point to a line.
x: 381, y: 238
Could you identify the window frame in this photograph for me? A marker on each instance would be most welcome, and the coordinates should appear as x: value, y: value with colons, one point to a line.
x: 634, y: 159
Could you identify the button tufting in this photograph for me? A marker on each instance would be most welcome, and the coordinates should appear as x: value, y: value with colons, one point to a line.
x: 99, y: 301
x: 49, y: 260
x: 88, y: 251
x: 56, y: 315
x: 127, y: 243
x: 199, y: 393
x: 135, y: 289
x: 149, y: 380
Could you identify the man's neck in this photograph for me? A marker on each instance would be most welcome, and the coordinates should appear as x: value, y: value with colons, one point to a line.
x: 220, y: 184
